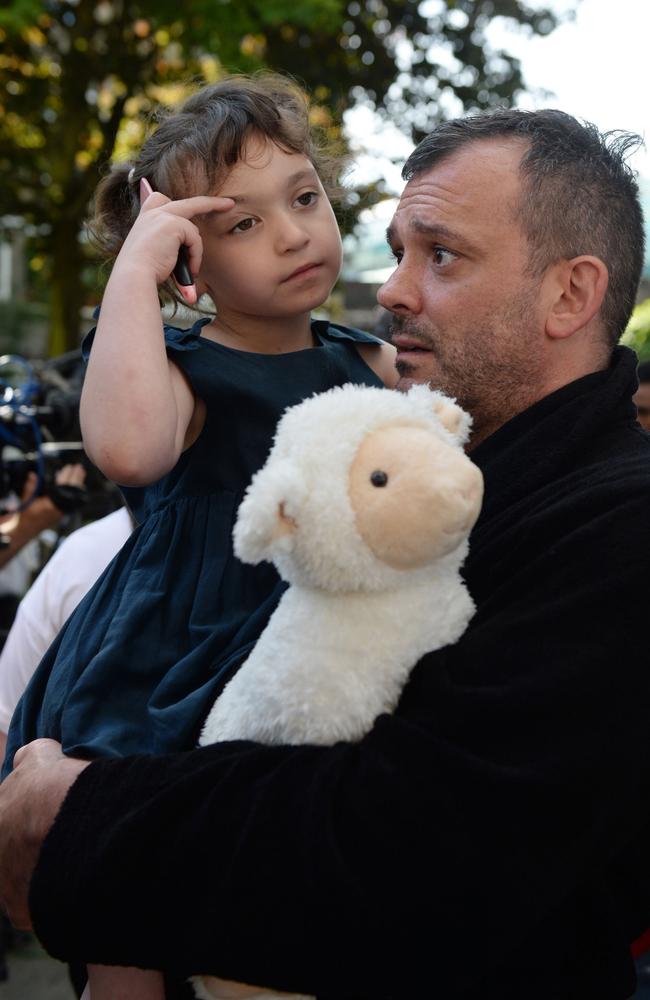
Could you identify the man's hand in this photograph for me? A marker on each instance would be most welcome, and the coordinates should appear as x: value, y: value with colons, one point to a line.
x: 30, y: 798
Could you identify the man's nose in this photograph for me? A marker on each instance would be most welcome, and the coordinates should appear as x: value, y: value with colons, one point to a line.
x: 401, y: 293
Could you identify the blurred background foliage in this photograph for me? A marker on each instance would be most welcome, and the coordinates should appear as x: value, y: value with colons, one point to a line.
x: 637, y: 334
x: 79, y: 80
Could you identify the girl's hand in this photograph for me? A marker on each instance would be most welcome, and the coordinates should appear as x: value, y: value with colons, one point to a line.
x: 161, y: 228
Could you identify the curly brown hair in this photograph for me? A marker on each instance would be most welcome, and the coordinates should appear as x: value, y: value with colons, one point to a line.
x: 192, y: 148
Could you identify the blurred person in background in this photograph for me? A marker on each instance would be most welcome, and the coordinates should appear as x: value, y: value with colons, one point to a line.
x: 642, y: 395
x: 66, y: 577
x: 19, y: 558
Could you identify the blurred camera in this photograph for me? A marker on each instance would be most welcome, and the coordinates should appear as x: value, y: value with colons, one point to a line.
x: 40, y: 433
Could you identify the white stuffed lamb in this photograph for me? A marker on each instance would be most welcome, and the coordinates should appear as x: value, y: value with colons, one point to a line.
x: 364, y: 505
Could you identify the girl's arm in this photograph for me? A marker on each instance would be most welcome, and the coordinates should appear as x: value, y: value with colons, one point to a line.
x: 136, y: 406
x: 381, y: 358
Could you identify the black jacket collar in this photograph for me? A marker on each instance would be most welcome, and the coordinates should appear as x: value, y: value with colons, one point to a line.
x: 545, y: 441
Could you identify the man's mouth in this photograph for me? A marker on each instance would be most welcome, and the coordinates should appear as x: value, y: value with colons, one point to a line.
x: 306, y: 271
x: 408, y: 346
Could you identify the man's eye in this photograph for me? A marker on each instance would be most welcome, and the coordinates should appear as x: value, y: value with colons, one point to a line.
x: 308, y: 198
x: 243, y: 226
x: 443, y: 257
x: 397, y: 254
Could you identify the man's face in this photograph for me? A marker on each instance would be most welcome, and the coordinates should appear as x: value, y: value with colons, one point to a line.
x: 467, y: 316
x: 642, y: 400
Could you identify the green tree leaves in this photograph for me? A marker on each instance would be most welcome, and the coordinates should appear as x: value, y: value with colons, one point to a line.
x: 79, y: 79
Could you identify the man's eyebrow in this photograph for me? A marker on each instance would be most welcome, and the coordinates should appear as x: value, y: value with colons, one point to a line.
x: 438, y: 230
x: 308, y: 174
x: 435, y: 230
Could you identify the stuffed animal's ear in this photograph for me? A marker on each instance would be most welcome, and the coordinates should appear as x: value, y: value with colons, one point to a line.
x: 452, y: 417
x: 268, y: 515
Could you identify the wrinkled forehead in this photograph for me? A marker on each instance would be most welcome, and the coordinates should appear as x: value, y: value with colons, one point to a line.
x: 477, y: 185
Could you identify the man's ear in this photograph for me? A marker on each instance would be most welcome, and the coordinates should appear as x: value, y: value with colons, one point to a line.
x: 577, y: 288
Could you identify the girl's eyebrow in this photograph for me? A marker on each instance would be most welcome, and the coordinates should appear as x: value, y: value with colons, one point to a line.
x: 308, y: 174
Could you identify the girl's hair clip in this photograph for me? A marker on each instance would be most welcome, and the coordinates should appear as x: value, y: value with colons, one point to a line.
x: 131, y: 175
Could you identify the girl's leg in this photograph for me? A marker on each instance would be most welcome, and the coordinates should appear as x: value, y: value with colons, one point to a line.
x: 108, y: 982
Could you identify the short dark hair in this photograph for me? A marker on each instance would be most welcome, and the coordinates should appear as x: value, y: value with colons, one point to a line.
x: 579, y: 194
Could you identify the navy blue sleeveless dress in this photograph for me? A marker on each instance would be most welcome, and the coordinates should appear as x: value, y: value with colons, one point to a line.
x: 138, y: 665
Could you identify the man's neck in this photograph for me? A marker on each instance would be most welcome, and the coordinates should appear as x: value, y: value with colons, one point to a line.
x: 566, y: 370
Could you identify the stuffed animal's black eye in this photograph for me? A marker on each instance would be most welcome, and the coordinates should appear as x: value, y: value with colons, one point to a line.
x: 378, y: 478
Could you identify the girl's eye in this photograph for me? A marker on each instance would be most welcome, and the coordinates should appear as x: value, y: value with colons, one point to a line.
x: 308, y: 198
x: 243, y: 226
x: 443, y: 257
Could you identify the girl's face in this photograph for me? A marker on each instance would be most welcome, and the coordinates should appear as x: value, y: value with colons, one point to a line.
x: 277, y: 252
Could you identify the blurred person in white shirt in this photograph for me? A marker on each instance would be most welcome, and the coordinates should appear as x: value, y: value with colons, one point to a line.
x: 53, y: 596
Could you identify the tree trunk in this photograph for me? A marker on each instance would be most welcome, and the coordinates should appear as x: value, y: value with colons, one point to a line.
x: 66, y: 297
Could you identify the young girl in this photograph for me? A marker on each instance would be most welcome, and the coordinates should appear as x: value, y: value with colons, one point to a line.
x: 183, y: 418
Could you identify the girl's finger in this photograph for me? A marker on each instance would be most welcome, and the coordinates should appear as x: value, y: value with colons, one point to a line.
x: 146, y: 190
x: 153, y: 200
x: 188, y: 208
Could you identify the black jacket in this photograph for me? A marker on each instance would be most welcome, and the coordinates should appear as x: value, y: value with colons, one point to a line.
x: 488, y: 840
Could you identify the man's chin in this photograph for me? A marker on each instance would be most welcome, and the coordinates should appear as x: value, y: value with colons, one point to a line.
x: 410, y: 375
x: 406, y: 382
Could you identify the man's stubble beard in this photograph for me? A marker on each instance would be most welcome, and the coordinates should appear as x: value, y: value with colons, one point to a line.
x: 494, y: 371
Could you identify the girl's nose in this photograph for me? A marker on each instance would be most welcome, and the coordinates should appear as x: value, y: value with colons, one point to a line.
x: 402, y: 292
x: 291, y: 236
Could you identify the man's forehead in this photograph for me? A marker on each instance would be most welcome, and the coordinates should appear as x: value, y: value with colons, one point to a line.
x: 479, y: 180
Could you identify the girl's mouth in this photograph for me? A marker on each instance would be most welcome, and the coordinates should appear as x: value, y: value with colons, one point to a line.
x: 306, y: 271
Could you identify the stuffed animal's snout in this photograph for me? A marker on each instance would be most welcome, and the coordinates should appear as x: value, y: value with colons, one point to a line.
x: 414, y: 496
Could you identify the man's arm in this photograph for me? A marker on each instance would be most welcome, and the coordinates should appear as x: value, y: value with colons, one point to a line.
x: 515, y: 772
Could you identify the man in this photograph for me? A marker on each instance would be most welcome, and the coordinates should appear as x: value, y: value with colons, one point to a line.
x: 483, y: 841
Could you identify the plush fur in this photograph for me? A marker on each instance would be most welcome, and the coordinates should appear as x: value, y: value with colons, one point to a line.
x: 364, y: 505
